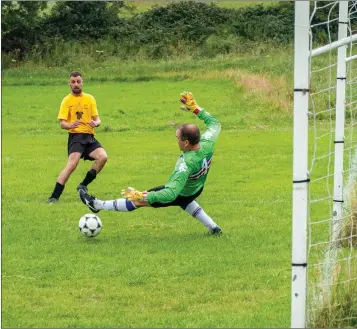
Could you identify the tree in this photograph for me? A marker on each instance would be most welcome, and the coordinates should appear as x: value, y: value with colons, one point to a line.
x: 83, y: 19
x: 19, y: 25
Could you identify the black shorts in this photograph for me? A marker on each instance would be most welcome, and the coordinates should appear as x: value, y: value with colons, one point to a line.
x: 181, y: 201
x: 82, y: 143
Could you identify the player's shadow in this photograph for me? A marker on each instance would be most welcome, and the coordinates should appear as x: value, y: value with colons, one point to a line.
x: 154, y: 239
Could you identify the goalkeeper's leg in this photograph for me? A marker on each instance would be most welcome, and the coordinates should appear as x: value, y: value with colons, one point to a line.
x: 122, y: 205
x: 95, y: 204
x: 197, y: 212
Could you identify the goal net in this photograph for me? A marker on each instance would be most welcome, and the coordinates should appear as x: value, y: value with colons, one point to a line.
x: 327, y: 277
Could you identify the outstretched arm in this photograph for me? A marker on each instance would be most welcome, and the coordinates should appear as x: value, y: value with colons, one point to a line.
x: 168, y: 194
x: 213, y: 125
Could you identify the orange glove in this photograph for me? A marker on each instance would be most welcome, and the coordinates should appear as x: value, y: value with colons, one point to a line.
x: 133, y: 195
x: 189, y: 102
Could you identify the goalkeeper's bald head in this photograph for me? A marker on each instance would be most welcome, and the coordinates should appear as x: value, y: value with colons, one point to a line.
x: 188, y: 136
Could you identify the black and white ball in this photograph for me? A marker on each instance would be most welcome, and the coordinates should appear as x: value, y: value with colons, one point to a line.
x: 90, y: 225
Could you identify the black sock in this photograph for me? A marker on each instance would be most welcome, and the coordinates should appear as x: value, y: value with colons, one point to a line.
x: 90, y: 176
x: 57, y: 191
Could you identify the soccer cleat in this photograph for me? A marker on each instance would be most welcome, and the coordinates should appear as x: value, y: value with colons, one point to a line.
x: 82, y: 187
x: 215, y: 231
x: 88, y: 200
x: 52, y: 200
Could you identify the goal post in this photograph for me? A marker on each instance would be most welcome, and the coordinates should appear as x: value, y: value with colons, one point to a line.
x: 324, y: 163
x: 300, y: 163
x: 340, y: 121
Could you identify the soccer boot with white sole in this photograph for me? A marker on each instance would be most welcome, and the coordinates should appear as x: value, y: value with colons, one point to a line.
x: 88, y: 200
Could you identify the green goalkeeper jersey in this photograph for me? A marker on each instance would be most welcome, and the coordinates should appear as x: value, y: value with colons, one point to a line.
x: 192, y: 167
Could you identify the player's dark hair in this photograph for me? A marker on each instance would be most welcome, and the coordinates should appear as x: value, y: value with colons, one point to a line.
x: 75, y: 74
x: 190, y: 132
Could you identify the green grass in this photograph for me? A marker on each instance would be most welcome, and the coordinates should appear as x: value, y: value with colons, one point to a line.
x: 144, y: 5
x: 240, y: 4
x: 151, y: 267
x: 140, y: 6
x: 278, y: 61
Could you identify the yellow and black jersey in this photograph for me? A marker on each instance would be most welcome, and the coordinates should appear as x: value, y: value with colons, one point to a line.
x: 83, y: 108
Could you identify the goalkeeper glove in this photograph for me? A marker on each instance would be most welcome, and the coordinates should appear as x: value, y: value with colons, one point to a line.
x: 133, y: 195
x: 189, y: 102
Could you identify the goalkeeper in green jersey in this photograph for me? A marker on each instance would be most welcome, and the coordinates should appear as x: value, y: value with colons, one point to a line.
x: 186, y: 181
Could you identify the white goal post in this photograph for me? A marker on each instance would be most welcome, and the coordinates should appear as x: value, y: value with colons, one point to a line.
x: 300, y: 163
x: 303, y: 54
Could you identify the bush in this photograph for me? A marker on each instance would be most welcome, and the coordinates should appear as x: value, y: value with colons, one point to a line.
x: 78, y: 20
x: 178, y: 29
x: 20, y: 26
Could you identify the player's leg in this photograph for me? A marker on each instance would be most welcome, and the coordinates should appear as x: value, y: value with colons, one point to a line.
x: 121, y: 204
x: 194, y: 209
x: 94, y: 152
x: 187, y: 203
x: 125, y: 205
x: 63, y: 177
x: 100, y: 159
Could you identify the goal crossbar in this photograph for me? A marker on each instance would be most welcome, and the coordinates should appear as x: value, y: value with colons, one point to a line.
x: 348, y: 59
x: 334, y: 45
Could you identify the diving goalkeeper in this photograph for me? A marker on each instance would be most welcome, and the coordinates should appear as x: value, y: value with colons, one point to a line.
x: 187, y: 180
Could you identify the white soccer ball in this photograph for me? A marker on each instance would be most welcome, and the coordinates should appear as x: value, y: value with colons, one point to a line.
x: 90, y: 225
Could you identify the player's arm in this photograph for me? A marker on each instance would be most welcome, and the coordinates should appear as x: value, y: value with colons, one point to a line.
x: 63, y: 116
x: 66, y: 125
x: 95, y: 122
x: 171, y: 191
x: 213, y: 125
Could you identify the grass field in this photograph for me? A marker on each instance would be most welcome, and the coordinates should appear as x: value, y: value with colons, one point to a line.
x: 149, y: 268
x: 140, y: 6
x: 144, y: 5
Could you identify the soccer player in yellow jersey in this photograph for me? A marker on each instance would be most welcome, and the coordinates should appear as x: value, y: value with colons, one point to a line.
x: 79, y: 115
